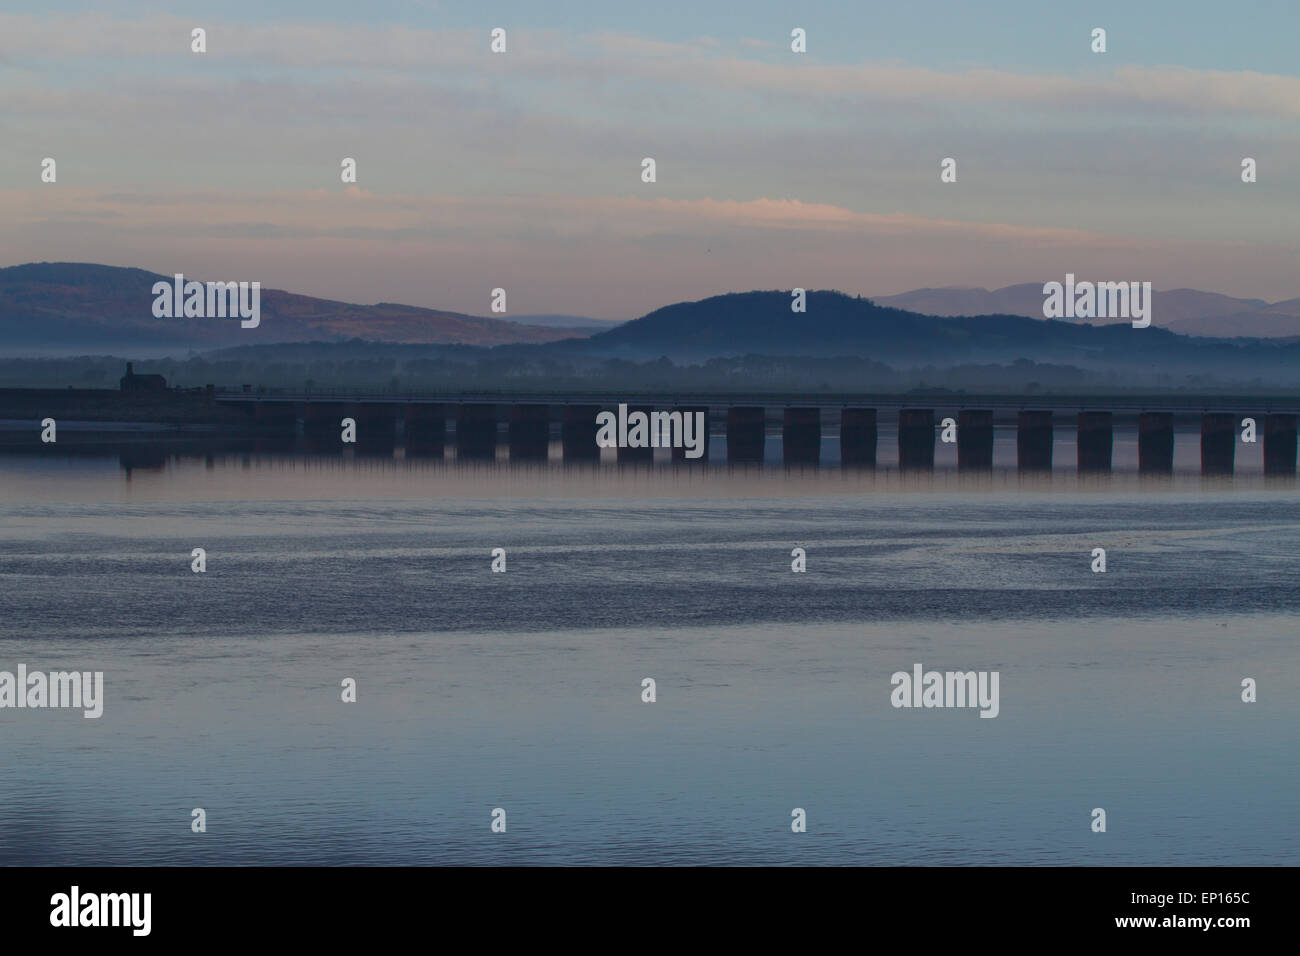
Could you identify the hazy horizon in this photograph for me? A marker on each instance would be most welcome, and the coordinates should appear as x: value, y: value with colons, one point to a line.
x: 552, y: 318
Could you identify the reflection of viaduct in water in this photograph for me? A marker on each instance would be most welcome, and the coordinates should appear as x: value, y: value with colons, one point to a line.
x: 423, y: 423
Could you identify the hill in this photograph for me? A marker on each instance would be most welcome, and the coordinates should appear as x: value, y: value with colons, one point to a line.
x: 46, y: 305
x: 1188, y: 311
x: 837, y: 326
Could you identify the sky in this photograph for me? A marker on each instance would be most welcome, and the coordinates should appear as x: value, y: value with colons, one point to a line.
x: 775, y: 169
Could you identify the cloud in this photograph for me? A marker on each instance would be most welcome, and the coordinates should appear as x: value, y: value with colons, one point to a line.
x: 328, y: 212
x: 318, y: 46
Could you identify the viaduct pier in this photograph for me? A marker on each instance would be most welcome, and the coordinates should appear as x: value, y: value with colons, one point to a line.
x: 476, y: 423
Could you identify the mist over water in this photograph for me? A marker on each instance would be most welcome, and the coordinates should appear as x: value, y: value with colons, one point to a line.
x: 522, y: 690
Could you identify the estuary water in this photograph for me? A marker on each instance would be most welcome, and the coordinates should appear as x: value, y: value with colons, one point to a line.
x: 523, y: 690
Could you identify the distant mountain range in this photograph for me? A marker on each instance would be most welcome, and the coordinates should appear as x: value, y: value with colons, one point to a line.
x: 82, y: 306
x: 845, y: 330
x: 1186, y: 311
x: 836, y: 325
